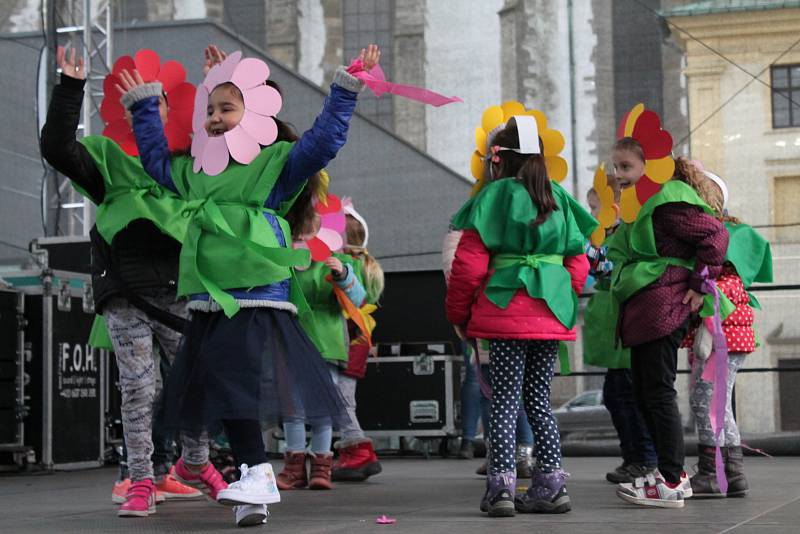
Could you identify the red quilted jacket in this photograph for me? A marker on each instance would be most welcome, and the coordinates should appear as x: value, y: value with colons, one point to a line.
x: 524, y: 318
x: 738, y: 326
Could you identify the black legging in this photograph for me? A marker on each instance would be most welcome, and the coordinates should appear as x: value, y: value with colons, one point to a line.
x: 247, y: 443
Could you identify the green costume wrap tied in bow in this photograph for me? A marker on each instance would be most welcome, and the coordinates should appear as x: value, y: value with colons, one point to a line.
x: 524, y: 255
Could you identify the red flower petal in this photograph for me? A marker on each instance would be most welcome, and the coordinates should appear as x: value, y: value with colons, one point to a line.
x: 111, y: 108
x: 181, y: 117
x: 334, y: 205
x: 656, y: 143
x: 123, y: 63
x: 319, y: 250
x: 117, y: 130
x: 182, y: 97
x: 148, y: 64
x: 177, y: 137
x: 172, y: 74
x: 646, y: 188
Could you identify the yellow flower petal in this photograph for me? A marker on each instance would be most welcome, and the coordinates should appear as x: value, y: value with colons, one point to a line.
x: 553, y: 142
x: 477, y: 166
x: 492, y: 117
x: 480, y: 141
x: 660, y: 170
x: 598, y: 236
x: 541, y: 120
x: 511, y: 108
x: 629, y: 205
x: 556, y: 167
x: 476, y: 187
x: 633, y: 116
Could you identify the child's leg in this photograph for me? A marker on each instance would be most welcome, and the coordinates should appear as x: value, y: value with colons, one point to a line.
x: 732, y: 437
x: 507, y: 361
x: 634, y: 439
x: 700, y: 402
x: 294, y: 431
x: 654, y: 366
x: 539, y: 369
x: 470, y: 397
x: 195, y: 449
x: 133, y: 347
x: 321, y: 437
x: 247, y: 443
x: 347, y: 387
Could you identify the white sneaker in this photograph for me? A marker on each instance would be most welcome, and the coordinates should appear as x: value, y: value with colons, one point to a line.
x: 686, y: 486
x: 249, y: 515
x: 651, y: 490
x: 256, y: 486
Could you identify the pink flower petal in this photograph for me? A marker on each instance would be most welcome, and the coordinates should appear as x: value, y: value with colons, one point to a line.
x: 331, y: 238
x: 241, y: 144
x: 215, y: 156
x: 199, y: 142
x: 264, y: 100
x: 222, y: 73
x: 200, y: 109
x: 250, y: 73
x: 334, y: 221
x: 262, y: 129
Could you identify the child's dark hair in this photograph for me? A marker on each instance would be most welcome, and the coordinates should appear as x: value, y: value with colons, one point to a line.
x: 529, y: 169
x: 301, y: 215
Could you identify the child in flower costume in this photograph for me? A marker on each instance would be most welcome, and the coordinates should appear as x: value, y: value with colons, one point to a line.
x: 134, y: 266
x: 600, y: 347
x: 331, y: 285
x: 518, y: 268
x: 664, y: 256
x: 245, y: 359
x: 747, y: 260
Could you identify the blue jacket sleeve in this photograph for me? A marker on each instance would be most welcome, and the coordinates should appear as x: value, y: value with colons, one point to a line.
x: 151, y: 141
x: 352, y: 286
x: 317, y: 146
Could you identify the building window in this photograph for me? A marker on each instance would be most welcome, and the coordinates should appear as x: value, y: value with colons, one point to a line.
x: 786, y: 216
x: 785, y: 96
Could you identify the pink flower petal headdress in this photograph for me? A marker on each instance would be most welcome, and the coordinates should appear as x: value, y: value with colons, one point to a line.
x: 257, y: 127
x: 332, y: 225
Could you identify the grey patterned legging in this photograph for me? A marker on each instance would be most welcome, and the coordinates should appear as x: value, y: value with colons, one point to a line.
x: 132, y: 332
x: 700, y: 401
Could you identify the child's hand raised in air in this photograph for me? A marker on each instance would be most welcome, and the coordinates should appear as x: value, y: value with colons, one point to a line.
x: 214, y: 56
x: 69, y: 67
x: 129, y: 81
x: 335, y: 266
x: 369, y: 56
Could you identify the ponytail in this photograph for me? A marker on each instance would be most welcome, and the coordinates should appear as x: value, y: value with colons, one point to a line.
x: 373, y: 273
x: 686, y: 172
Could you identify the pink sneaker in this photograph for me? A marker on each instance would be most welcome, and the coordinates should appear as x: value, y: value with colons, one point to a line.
x: 209, y: 481
x: 140, y: 501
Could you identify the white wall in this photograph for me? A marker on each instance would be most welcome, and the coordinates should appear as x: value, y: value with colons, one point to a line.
x: 311, y: 24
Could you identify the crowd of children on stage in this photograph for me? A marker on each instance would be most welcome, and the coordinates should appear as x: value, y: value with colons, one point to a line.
x: 218, y: 235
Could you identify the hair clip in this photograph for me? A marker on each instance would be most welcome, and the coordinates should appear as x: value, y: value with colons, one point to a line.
x: 495, y: 153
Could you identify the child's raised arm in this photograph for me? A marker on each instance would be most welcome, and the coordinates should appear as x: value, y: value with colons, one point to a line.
x: 142, y: 100
x: 320, y: 144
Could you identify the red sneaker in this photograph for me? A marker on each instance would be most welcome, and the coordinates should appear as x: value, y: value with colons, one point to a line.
x: 357, y: 461
x: 120, y: 490
x: 209, y: 480
x: 140, y: 500
x: 169, y: 487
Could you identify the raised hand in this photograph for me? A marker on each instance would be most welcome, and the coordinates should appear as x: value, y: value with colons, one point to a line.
x: 69, y: 67
x: 370, y: 56
x: 213, y: 56
x: 129, y: 81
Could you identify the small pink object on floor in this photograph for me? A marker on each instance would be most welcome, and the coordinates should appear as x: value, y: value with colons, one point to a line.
x: 383, y: 520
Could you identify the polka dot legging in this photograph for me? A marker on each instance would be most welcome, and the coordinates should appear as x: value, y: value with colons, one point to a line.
x: 514, y: 363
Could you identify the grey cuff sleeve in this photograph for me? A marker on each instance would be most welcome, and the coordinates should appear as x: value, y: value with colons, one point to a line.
x: 345, y: 80
x: 141, y: 92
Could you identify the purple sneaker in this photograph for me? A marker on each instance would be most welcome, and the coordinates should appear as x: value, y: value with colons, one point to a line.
x: 547, y: 494
x: 498, y: 501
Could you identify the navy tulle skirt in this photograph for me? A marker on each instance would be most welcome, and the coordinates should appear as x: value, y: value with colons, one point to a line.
x: 257, y: 365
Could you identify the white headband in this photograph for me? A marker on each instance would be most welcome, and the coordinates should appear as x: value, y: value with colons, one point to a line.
x: 528, y: 132
x: 721, y: 183
x: 347, y: 204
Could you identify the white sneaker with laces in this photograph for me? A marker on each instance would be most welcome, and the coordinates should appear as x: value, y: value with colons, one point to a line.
x: 256, y: 486
x: 651, y: 490
x: 249, y: 515
x: 686, y: 486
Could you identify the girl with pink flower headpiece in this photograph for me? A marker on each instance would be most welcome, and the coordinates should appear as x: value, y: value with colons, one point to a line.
x: 245, y: 360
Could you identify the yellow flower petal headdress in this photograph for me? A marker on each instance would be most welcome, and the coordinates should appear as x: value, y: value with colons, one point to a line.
x: 494, y: 119
x: 609, y: 210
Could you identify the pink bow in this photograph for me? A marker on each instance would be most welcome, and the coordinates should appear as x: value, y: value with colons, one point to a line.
x: 495, y: 154
x: 375, y: 79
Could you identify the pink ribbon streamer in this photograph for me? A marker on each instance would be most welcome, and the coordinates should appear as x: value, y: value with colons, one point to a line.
x: 375, y: 80
x: 716, y: 372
